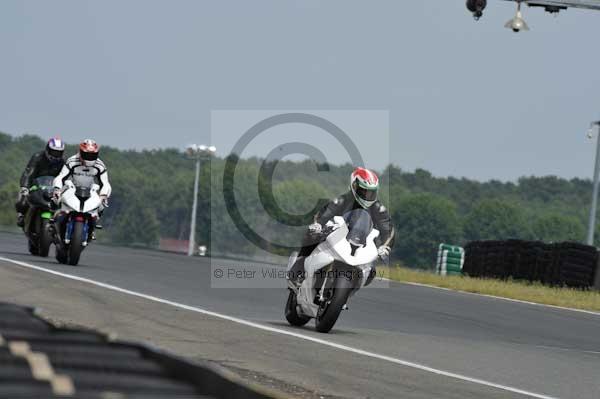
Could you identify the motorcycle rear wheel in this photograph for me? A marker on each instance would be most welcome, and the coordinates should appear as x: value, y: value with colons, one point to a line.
x: 33, y: 248
x: 291, y: 312
x: 61, y: 254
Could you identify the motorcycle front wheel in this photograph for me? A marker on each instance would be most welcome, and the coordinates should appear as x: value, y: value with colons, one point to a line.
x: 330, y: 309
x: 31, y: 229
x: 75, y: 246
x: 45, y: 239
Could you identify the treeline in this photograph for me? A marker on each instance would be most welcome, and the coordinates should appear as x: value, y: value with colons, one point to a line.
x: 152, y: 193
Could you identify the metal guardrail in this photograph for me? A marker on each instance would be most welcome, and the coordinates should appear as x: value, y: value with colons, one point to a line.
x: 41, y: 360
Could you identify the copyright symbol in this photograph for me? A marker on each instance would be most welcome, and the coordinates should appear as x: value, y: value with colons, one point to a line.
x: 267, y: 169
x: 218, y: 273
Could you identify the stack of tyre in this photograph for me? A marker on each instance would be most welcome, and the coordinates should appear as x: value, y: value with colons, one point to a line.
x: 40, y: 360
x: 450, y: 260
x: 577, y: 264
x: 562, y: 264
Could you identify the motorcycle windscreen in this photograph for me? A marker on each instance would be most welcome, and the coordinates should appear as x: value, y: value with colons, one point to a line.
x: 359, y: 224
x: 83, y: 192
x: 44, y: 181
x: 45, y: 184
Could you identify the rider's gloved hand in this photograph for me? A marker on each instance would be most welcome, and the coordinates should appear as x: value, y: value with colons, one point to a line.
x: 23, y: 193
x: 56, y: 195
x: 103, y: 204
x: 315, y: 228
x: 384, y: 253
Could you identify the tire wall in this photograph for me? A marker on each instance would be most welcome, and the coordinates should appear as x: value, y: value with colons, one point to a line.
x: 84, y: 363
x: 566, y: 264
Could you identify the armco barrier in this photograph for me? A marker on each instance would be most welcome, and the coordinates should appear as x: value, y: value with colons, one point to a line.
x: 39, y: 360
x: 562, y: 264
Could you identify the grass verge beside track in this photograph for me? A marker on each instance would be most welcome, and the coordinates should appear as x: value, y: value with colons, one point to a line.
x: 531, y: 292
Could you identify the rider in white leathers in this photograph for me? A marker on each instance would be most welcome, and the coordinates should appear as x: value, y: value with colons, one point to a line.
x: 85, y: 168
x: 364, y: 186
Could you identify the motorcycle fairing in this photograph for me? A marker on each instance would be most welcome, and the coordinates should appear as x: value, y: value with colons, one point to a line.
x: 70, y: 202
x: 335, y: 248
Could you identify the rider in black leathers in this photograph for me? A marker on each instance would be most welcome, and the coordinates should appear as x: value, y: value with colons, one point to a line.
x: 362, y: 195
x: 48, y: 162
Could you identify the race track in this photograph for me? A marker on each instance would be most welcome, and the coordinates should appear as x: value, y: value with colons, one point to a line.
x: 404, y: 341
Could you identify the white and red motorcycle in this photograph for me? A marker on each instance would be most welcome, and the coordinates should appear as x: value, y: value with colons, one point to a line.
x: 74, y: 220
x: 336, y: 269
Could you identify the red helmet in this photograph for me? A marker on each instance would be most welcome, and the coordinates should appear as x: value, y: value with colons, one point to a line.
x: 88, y: 152
x: 364, y: 185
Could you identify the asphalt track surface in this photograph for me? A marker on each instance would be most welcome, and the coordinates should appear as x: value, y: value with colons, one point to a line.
x: 403, y: 341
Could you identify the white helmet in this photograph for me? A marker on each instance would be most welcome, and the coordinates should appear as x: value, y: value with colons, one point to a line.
x: 55, y: 148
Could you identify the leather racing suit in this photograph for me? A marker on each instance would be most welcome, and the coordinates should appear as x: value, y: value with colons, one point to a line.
x: 81, y: 174
x: 338, y: 207
x: 38, y: 165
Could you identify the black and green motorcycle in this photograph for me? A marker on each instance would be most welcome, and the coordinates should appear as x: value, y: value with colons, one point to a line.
x: 38, y: 220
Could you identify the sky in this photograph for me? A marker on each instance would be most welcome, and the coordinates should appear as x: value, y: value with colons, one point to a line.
x: 461, y: 98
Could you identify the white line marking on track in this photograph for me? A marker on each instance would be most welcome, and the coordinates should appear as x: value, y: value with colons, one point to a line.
x: 286, y: 332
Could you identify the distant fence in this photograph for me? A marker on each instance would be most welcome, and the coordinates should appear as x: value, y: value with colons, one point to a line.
x: 173, y: 245
x: 562, y: 264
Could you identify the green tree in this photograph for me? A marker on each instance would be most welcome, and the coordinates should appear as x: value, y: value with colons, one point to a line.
x: 299, y: 196
x: 152, y: 193
x: 492, y: 219
x: 424, y: 221
x: 137, y: 224
x: 8, y: 196
x: 556, y: 228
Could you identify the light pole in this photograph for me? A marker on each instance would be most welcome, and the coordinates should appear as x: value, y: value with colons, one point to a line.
x: 198, y: 153
x: 592, y: 222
